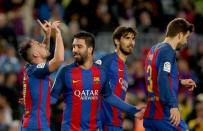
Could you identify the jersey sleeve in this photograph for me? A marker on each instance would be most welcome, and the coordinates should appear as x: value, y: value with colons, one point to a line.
x: 106, y: 88
x: 109, y: 97
x: 105, y: 62
x: 167, y: 94
x: 58, y: 85
x: 120, y: 104
x: 40, y: 70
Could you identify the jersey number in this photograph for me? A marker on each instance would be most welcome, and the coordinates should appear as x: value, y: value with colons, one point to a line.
x: 149, y: 78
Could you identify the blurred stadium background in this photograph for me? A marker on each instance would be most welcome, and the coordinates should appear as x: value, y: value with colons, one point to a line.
x: 18, y: 20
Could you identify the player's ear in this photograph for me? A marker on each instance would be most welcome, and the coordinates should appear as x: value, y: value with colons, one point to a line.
x: 35, y: 54
x: 180, y: 35
x: 116, y: 42
x: 90, y: 50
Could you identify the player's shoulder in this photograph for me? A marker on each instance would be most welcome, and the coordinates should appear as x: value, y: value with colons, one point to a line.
x: 67, y: 67
x: 99, y: 67
x: 164, y: 47
x: 107, y: 59
x: 32, y: 67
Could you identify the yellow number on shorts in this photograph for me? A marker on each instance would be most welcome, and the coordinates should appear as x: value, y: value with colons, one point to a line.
x: 149, y: 78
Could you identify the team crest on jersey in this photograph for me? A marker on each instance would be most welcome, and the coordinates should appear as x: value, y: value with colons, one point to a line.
x: 99, y: 62
x: 41, y: 65
x: 167, y: 67
x: 96, y: 79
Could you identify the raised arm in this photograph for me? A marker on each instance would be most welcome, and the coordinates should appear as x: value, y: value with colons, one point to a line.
x: 46, y: 27
x: 58, y: 58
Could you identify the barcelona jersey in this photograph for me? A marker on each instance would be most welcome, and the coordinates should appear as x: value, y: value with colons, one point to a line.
x: 162, y: 82
x: 117, y: 74
x: 36, y: 94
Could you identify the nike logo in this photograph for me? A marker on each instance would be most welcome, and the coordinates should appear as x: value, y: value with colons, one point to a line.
x: 120, y: 70
x: 75, y: 81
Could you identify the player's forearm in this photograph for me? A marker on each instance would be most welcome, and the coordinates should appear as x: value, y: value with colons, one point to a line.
x: 58, y: 58
x: 59, y: 49
x: 46, y: 40
x: 120, y: 104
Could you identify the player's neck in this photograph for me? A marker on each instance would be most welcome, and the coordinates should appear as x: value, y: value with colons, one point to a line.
x: 87, y: 64
x: 38, y: 61
x: 171, y: 41
x: 122, y: 56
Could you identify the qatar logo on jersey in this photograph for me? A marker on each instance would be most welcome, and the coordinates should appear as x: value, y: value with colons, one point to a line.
x: 87, y: 94
x: 124, y: 84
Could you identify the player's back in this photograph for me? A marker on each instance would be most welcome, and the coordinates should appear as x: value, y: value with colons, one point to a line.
x: 36, y: 94
x: 116, y: 71
x: 157, y: 107
x: 81, y: 90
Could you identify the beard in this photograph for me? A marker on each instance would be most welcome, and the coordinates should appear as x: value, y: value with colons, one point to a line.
x: 127, y: 50
x: 180, y: 46
x: 80, y: 59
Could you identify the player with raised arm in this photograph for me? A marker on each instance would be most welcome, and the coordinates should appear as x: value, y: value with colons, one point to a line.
x: 36, y: 81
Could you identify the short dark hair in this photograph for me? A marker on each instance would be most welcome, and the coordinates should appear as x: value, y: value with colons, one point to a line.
x: 88, y: 37
x: 123, y: 31
x: 178, y: 25
x: 24, y: 49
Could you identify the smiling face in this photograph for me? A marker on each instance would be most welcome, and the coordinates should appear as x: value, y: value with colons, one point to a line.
x: 80, y: 50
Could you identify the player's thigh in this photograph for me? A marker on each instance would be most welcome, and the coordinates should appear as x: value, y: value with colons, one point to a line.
x: 112, y: 128
x: 165, y: 125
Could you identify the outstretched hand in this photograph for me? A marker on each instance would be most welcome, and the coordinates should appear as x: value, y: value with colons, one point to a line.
x: 188, y: 83
x: 140, y: 114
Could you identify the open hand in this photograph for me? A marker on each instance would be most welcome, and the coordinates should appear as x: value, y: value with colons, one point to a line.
x: 140, y: 114
x: 175, y: 116
x: 188, y: 83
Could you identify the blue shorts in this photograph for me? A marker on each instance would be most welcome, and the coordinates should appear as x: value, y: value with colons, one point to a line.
x: 163, y: 125
x: 112, y: 128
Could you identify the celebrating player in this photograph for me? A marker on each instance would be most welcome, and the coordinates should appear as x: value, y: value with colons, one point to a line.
x: 36, y: 82
x: 83, y: 83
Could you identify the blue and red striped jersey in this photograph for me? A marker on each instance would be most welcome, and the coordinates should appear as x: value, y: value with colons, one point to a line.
x: 162, y: 79
x: 36, y: 94
x: 82, y: 91
x: 117, y: 74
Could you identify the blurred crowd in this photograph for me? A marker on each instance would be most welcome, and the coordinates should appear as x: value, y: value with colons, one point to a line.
x: 18, y: 20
